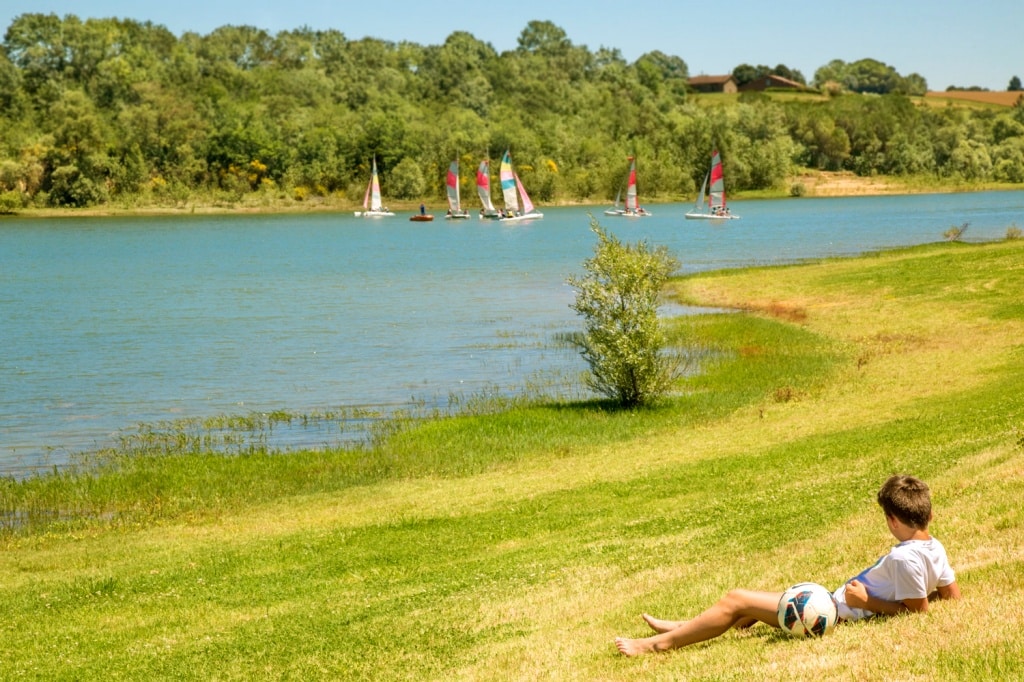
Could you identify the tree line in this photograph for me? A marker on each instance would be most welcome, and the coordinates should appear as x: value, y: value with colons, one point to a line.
x: 116, y: 110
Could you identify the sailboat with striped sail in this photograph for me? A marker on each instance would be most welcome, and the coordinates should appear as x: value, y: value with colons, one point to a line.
x: 483, y: 189
x: 512, y: 190
x: 455, y: 210
x: 371, y: 201
x: 716, y: 208
x: 632, y: 208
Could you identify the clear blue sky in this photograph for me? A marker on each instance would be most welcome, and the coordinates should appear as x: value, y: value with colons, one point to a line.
x: 949, y: 42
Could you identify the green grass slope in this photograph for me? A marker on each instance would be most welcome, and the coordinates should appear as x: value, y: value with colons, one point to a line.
x: 517, y: 545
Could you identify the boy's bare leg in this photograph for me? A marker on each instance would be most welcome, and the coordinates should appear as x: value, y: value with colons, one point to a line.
x: 659, y: 625
x: 737, y: 608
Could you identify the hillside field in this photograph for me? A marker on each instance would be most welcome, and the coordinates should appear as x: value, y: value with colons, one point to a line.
x: 516, y: 544
x: 1006, y: 99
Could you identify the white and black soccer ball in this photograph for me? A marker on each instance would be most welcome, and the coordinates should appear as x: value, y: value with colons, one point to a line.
x: 808, y: 610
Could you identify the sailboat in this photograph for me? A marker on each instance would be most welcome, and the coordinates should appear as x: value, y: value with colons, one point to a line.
x: 483, y: 189
x: 632, y: 209
x: 716, y: 209
x: 455, y: 210
x: 371, y: 201
x: 512, y: 189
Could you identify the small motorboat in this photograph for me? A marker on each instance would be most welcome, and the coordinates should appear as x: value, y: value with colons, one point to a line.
x: 422, y: 216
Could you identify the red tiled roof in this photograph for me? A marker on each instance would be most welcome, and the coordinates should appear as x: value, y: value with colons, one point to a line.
x: 709, y: 80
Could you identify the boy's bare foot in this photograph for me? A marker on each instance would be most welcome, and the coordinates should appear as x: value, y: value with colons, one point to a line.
x: 633, y: 647
x: 659, y: 625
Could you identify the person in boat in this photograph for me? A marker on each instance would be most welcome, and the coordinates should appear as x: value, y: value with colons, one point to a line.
x: 423, y: 210
x: 449, y: 212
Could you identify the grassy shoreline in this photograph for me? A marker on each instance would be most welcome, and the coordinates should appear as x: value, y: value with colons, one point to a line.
x: 516, y: 545
x: 812, y: 184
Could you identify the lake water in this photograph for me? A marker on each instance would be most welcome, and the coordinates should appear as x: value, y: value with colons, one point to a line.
x: 106, y: 323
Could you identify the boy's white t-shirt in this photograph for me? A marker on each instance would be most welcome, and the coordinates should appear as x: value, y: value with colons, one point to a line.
x: 911, y: 570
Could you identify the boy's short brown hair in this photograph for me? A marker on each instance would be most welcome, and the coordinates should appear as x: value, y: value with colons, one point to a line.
x: 907, y: 499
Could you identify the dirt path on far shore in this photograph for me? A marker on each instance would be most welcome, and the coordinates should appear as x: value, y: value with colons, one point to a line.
x: 845, y: 183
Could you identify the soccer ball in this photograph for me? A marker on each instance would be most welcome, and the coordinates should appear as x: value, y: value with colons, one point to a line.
x: 807, y: 610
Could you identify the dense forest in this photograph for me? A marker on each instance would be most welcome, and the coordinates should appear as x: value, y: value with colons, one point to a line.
x: 112, y: 111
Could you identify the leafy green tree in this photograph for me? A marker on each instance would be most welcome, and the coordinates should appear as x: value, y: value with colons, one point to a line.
x: 1009, y: 160
x: 459, y: 70
x: 970, y: 160
x: 623, y: 340
x: 70, y: 187
x: 35, y: 44
x: 657, y: 69
x: 10, y: 202
x: 822, y: 143
x: 122, y: 107
x: 833, y: 72
x: 406, y: 180
x: 10, y: 87
x: 745, y: 73
x: 869, y: 76
x: 914, y: 84
x: 1014, y: 85
x: 544, y: 38
x: 792, y: 74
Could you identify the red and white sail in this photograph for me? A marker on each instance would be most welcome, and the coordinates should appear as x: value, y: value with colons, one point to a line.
x: 632, y: 203
x: 527, y: 204
x: 716, y: 192
x: 452, y: 186
x: 483, y: 186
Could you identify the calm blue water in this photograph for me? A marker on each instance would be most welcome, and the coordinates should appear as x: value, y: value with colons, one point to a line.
x: 112, y: 322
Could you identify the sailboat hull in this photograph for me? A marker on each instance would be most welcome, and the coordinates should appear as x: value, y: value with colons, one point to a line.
x: 626, y: 213
x: 519, y: 218
x: 709, y: 216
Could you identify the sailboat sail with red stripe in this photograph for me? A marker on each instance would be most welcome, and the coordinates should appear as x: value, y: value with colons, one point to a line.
x: 632, y: 208
x: 455, y: 210
x: 716, y: 208
x: 483, y: 189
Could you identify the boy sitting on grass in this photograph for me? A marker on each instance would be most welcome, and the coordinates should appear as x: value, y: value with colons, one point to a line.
x: 913, y: 571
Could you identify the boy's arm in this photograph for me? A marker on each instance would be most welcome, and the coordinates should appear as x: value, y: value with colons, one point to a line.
x: 950, y: 591
x: 857, y: 597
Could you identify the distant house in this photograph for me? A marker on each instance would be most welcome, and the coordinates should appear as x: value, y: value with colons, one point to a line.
x: 713, y: 83
x: 771, y: 82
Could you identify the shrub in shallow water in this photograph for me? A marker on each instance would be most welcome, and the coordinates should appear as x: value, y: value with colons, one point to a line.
x: 623, y: 340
